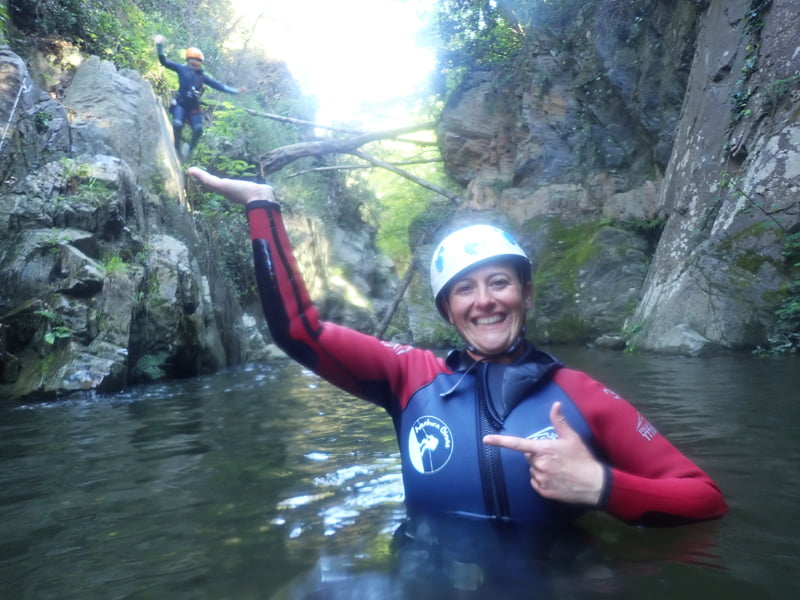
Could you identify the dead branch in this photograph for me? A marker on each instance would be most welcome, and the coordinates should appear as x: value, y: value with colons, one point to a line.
x: 300, y: 122
x: 352, y: 167
x: 403, y: 173
x: 280, y: 157
x: 392, y: 308
x: 294, y: 121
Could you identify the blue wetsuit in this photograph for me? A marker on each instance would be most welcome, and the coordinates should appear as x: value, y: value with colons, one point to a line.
x: 186, y: 104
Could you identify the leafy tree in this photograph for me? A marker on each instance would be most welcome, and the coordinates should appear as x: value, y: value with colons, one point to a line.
x: 121, y: 30
x: 473, y: 34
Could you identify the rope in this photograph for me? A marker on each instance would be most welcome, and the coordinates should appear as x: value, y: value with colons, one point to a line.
x: 22, y: 88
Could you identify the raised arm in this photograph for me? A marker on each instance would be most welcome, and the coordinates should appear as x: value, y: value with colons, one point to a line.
x: 159, y: 40
x: 358, y: 363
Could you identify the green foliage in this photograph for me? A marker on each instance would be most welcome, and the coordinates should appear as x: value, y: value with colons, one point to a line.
x: 3, y: 19
x: 116, y: 266
x: 56, y: 328
x: 571, y: 249
x: 121, y: 30
x: 73, y: 173
x: 649, y: 229
x: 740, y: 98
x: 785, y: 337
x: 791, y: 250
x: 778, y: 90
x: 150, y: 367
x: 59, y: 332
x: 787, y: 327
x: 402, y: 205
x: 42, y: 121
x: 754, y: 18
x: 473, y: 34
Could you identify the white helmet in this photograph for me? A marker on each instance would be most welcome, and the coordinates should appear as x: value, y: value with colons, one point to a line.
x: 469, y: 246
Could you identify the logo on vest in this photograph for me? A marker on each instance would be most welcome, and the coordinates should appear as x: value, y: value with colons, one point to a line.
x: 430, y: 445
x: 548, y: 433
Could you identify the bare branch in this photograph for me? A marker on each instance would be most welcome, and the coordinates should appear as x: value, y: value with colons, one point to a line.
x: 392, y: 308
x: 426, y: 184
x: 300, y: 122
x: 280, y: 157
x: 293, y: 121
x: 351, y: 167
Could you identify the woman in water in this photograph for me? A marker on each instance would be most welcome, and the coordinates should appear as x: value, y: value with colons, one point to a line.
x: 498, y: 430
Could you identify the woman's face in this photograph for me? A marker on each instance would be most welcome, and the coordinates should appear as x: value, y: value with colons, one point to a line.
x: 487, y: 305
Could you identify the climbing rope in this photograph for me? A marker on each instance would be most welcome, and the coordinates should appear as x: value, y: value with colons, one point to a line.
x: 22, y: 88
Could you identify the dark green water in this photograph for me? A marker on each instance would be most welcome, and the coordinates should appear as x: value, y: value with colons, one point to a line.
x: 265, y: 482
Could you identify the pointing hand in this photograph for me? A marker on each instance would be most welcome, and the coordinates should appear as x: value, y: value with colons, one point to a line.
x: 563, y: 469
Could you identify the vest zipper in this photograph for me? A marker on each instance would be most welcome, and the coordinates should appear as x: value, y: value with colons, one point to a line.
x: 493, y: 480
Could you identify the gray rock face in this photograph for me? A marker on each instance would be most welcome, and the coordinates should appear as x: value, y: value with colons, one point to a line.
x: 99, y: 287
x: 731, y: 189
x: 675, y: 125
x: 107, y: 276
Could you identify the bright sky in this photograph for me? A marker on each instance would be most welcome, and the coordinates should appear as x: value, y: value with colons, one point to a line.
x: 347, y: 53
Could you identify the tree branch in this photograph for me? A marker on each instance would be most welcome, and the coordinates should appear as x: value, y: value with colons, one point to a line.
x: 299, y: 122
x: 280, y: 157
x: 370, y: 166
x: 426, y: 184
x: 392, y: 308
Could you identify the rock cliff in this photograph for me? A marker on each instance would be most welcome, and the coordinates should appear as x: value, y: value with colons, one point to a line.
x: 100, y: 281
x: 648, y: 158
x: 107, y: 276
x: 646, y: 154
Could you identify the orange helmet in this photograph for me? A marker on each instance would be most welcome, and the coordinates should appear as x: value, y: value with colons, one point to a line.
x: 194, y: 53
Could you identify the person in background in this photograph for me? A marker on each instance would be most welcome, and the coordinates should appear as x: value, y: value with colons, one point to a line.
x: 191, y: 85
x: 498, y: 430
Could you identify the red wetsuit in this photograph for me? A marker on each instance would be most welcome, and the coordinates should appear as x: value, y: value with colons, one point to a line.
x: 442, y: 408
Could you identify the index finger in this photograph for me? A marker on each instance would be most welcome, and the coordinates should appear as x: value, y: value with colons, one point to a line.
x: 511, y: 442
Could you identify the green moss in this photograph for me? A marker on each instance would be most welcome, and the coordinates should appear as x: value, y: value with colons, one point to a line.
x: 150, y: 367
x: 556, y: 282
x: 750, y: 261
x: 569, y: 249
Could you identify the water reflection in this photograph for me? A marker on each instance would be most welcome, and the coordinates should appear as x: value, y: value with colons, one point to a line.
x: 266, y: 482
x: 431, y: 558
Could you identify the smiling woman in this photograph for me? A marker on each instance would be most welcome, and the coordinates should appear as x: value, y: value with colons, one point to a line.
x: 481, y: 282
x: 349, y: 54
x: 500, y: 430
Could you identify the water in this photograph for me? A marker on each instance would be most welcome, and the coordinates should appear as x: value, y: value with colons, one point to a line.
x: 265, y: 482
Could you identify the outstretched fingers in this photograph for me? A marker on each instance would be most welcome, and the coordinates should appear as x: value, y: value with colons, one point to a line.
x: 235, y: 190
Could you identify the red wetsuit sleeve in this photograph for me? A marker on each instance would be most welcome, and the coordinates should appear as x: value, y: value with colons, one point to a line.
x: 362, y: 365
x: 651, y: 482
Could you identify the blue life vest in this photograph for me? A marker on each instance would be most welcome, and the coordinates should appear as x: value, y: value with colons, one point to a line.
x: 447, y: 467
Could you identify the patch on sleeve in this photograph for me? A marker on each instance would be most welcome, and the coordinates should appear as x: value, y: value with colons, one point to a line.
x: 397, y: 348
x: 645, y: 429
